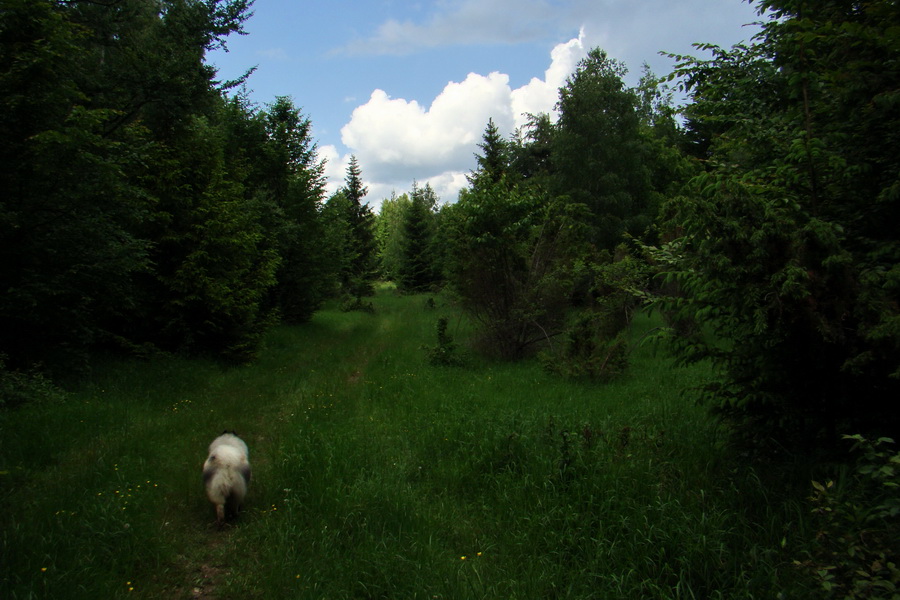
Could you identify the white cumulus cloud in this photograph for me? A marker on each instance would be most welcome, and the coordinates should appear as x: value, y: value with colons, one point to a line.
x: 541, y: 95
x: 335, y: 167
x: 397, y: 140
x: 390, y: 134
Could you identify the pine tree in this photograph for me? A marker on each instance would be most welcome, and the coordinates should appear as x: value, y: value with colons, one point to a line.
x: 296, y: 189
x: 599, y: 153
x: 493, y: 163
x: 510, y: 255
x: 530, y: 151
x: 417, y: 265
x: 789, y: 252
x: 361, y: 271
x: 103, y: 104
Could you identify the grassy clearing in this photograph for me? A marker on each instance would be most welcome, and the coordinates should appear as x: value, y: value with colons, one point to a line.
x: 378, y: 476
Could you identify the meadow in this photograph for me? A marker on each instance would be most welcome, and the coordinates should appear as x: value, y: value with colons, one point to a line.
x: 378, y: 475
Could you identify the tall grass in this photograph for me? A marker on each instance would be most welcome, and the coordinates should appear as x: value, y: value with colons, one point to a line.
x: 379, y: 476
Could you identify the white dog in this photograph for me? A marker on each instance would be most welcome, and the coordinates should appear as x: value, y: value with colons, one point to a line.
x: 226, y: 474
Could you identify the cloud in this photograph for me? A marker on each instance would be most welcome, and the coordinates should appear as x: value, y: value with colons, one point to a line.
x: 447, y: 184
x: 335, y: 167
x: 394, y: 137
x: 397, y: 141
x: 636, y: 32
x: 468, y: 22
x: 633, y: 32
x: 541, y: 95
x: 273, y: 53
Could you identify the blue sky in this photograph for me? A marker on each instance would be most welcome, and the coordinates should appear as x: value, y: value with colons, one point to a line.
x: 408, y: 86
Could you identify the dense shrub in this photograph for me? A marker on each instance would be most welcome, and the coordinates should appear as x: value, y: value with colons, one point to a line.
x: 855, y: 552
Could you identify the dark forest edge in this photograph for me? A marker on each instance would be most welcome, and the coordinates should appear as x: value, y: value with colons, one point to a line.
x: 150, y: 208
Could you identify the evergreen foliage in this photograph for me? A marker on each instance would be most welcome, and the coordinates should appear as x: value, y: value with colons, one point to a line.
x: 141, y: 206
x: 599, y: 156
x: 418, y: 269
x: 350, y: 237
x: 593, y: 344
x: 296, y: 192
x: 67, y: 210
x: 145, y: 206
x: 445, y: 353
x: 511, y: 258
x: 361, y: 271
x: 531, y: 150
x: 389, y: 235
x: 211, y: 266
x: 492, y: 164
x: 787, y: 249
x: 337, y: 247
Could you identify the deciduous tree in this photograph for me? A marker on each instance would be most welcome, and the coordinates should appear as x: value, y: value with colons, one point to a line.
x: 389, y: 234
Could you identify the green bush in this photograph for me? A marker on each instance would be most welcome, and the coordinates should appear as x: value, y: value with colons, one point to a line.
x: 21, y: 387
x: 788, y: 260
x: 355, y: 303
x: 588, y: 350
x: 444, y: 354
x: 855, y: 553
x: 593, y: 344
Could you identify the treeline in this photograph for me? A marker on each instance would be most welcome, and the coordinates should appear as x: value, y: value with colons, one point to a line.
x: 763, y: 226
x: 148, y: 206
x: 144, y: 206
x: 536, y: 248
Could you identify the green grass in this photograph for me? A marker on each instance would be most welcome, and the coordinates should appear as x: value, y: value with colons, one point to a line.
x: 379, y: 476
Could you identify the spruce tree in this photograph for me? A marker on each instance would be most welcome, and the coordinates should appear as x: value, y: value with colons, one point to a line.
x: 105, y: 106
x: 361, y: 272
x: 599, y: 153
x: 295, y: 190
x: 417, y: 265
x: 788, y: 250
x: 494, y: 160
x: 510, y: 255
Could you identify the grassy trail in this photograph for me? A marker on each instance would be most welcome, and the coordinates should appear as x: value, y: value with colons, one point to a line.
x: 378, y: 476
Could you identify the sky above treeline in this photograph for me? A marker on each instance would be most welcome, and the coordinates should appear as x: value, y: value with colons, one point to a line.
x: 408, y: 86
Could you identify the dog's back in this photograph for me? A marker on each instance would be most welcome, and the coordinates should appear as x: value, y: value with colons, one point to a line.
x: 226, y: 474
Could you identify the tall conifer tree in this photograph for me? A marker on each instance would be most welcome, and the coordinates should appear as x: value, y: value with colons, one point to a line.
x: 417, y: 266
x: 362, y: 269
x: 789, y: 250
x: 599, y: 153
